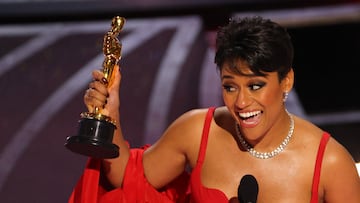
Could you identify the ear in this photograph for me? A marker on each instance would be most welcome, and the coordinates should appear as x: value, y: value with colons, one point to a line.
x: 288, y: 82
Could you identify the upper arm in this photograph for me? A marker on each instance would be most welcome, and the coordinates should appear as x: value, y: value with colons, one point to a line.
x: 168, y: 157
x: 341, y: 182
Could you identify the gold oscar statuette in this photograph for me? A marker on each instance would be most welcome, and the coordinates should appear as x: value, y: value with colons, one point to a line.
x: 95, y: 132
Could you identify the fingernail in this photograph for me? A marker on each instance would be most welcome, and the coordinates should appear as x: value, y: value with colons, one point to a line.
x: 104, y: 81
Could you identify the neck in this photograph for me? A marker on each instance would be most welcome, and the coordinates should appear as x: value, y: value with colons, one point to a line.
x: 264, y: 154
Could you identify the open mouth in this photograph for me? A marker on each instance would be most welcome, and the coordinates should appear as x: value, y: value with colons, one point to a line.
x: 249, y: 115
x: 250, y: 119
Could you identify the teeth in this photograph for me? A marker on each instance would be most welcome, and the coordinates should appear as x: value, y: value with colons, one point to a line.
x: 249, y: 114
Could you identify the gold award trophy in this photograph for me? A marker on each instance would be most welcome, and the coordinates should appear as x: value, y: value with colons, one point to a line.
x: 96, y: 130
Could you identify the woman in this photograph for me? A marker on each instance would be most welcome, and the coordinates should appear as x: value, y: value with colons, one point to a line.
x: 292, y: 159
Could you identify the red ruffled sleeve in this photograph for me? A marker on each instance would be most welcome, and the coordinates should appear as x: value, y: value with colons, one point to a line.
x: 91, y: 187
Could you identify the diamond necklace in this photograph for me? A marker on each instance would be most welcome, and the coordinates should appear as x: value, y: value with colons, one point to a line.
x: 266, y: 155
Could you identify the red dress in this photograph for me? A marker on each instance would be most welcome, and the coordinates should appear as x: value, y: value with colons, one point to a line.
x: 199, y: 193
x: 92, y: 188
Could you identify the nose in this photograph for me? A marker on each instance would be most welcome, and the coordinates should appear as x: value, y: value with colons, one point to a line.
x: 243, y: 99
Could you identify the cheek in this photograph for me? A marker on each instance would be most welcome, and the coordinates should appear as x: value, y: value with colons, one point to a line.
x: 228, y: 99
x: 271, y: 97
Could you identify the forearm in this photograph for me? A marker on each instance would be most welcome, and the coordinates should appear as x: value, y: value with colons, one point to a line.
x: 107, y: 96
x: 115, y: 168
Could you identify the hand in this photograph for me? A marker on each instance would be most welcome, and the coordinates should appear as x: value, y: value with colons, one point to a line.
x: 104, y: 94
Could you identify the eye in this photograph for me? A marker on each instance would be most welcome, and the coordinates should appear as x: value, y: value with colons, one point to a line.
x: 256, y: 86
x: 229, y: 88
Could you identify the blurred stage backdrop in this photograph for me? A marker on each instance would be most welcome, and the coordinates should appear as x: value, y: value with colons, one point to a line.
x: 49, y: 48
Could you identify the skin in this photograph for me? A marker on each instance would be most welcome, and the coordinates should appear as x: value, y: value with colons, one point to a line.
x: 286, y: 177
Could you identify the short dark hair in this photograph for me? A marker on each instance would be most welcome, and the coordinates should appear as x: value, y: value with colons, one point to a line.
x: 263, y: 44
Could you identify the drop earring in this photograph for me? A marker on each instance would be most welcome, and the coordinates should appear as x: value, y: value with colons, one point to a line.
x: 286, y: 94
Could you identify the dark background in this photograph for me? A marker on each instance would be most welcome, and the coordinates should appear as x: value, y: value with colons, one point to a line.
x: 43, y: 44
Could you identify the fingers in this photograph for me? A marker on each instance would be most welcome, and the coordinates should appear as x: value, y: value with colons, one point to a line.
x: 98, y: 75
x: 94, y: 98
x: 99, y: 86
x: 115, y: 77
x: 103, y: 93
x: 96, y: 95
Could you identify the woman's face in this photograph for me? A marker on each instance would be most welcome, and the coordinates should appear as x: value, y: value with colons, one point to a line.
x: 256, y: 102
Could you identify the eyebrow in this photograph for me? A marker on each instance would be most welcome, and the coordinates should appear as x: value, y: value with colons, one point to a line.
x: 242, y: 74
x: 227, y: 77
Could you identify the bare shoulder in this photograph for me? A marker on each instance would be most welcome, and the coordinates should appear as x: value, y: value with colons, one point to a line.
x: 190, y: 120
x: 338, y: 158
x: 178, y: 146
x: 335, y: 152
x: 339, y: 176
x: 195, y: 118
x: 305, y: 127
x: 186, y: 129
x: 307, y: 134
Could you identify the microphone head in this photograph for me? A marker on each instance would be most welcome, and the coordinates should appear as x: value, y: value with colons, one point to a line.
x: 248, y: 189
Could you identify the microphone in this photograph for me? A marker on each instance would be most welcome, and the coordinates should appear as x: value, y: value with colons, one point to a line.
x: 248, y: 189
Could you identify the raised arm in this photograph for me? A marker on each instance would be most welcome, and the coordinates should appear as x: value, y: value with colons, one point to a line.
x: 100, y: 95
